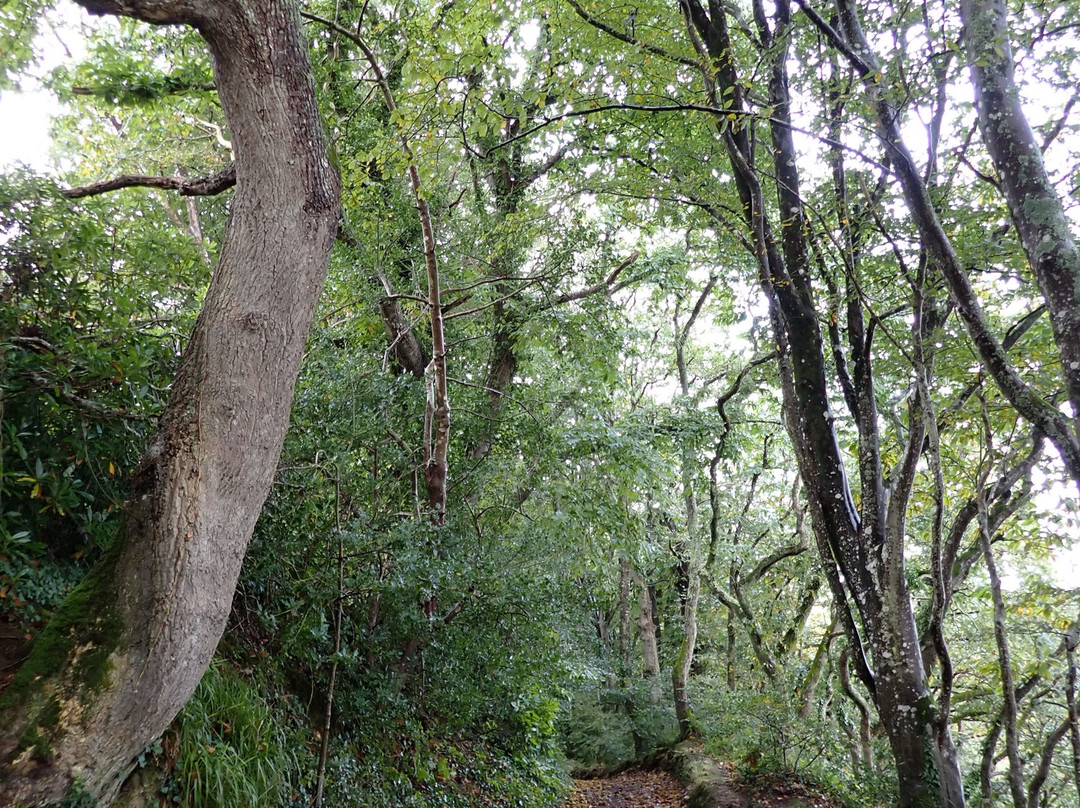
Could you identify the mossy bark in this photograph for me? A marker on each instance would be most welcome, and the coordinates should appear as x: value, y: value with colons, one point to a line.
x: 130, y: 645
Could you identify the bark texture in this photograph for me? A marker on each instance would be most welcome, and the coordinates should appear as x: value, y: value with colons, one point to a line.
x: 152, y: 618
x: 1035, y: 206
x: 861, y: 545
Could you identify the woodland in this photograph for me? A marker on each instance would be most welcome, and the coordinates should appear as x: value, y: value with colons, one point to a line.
x: 417, y: 403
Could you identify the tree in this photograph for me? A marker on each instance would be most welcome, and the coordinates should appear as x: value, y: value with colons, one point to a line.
x: 127, y: 649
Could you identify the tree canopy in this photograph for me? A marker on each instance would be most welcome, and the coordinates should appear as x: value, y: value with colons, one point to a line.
x: 408, y: 404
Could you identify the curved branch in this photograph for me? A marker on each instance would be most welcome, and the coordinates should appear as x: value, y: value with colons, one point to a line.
x: 631, y: 40
x: 185, y: 186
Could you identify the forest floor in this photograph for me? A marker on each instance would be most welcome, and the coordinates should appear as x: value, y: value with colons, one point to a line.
x: 660, y: 789
x: 631, y: 789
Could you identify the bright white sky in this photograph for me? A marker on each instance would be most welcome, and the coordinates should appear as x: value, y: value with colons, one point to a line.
x: 26, y: 114
x: 24, y: 138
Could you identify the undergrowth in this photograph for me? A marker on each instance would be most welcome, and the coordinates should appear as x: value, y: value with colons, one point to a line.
x: 228, y: 749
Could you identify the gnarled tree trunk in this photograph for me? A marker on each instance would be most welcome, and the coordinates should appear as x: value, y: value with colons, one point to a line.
x: 119, y: 660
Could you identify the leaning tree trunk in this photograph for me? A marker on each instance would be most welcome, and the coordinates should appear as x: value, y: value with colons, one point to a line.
x: 121, y: 657
x: 1037, y: 211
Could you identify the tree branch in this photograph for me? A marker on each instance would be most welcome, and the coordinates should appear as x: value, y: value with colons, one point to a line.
x: 630, y: 39
x: 580, y: 294
x: 185, y: 186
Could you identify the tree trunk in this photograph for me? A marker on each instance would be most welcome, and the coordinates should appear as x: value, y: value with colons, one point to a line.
x: 680, y: 672
x: 128, y: 648
x: 865, y: 749
x: 1074, y: 709
x: 649, y: 653
x: 817, y: 669
x: 1033, y: 201
x: 1008, y: 710
x: 624, y: 616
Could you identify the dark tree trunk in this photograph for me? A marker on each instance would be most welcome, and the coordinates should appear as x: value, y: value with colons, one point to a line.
x: 123, y: 655
x: 1074, y: 708
x: 1036, y: 208
x: 861, y: 547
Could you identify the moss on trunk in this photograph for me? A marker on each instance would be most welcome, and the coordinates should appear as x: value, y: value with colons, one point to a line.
x: 68, y: 663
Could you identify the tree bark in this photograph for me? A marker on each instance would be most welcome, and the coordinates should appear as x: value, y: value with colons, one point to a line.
x: 624, y: 615
x: 1036, y: 208
x: 865, y: 753
x: 680, y: 672
x: 129, y: 647
x: 649, y: 652
x: 1037, y: 409
x: 817, y: 669
x: 861, y: 546
x: 1046, y: 759
x: 1074, y: 709
x: 1008, y: 710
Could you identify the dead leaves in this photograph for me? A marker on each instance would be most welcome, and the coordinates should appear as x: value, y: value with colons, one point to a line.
x: 653, y: 789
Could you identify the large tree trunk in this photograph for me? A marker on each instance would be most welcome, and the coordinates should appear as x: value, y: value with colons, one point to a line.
x: 123, y: 655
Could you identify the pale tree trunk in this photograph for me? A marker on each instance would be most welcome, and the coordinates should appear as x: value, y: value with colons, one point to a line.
x: 817, y: 669
x: 134, y: 640
x: 680, y: 673
x: 689, y: 567
x: 864, y: 752
x: 649, y: 653
x: 624, y: 616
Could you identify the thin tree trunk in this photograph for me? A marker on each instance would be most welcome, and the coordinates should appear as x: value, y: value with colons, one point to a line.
x: 817, y: 669
x: 1074, y: 709
x: 625, y: 645
x: 866, y: 749
x: 339, y: 614
x: 732, y: 650
x: 649, y: 653
x: 135, y: 638
x: 1046, y: 759
x: 680, y: 674
x: 1037, y: 409
x: 1008, y: 691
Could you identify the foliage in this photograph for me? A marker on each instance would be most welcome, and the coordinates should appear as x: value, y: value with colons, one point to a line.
x: 89, y: 335
x: 229, y: 748
x: 468, y: 658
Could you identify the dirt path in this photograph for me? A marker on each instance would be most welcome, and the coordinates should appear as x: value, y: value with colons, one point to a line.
x: 655, y: 789
x: 660, y: 789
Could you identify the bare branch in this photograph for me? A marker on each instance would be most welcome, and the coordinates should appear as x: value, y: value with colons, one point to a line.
x: 629, y: 39
x: 185, y: 186
x: 86, y: 405
x: 569, y: 297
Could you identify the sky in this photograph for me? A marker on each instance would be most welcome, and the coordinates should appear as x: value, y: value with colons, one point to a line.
x: 26, y: 113
x: 25, y: 136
